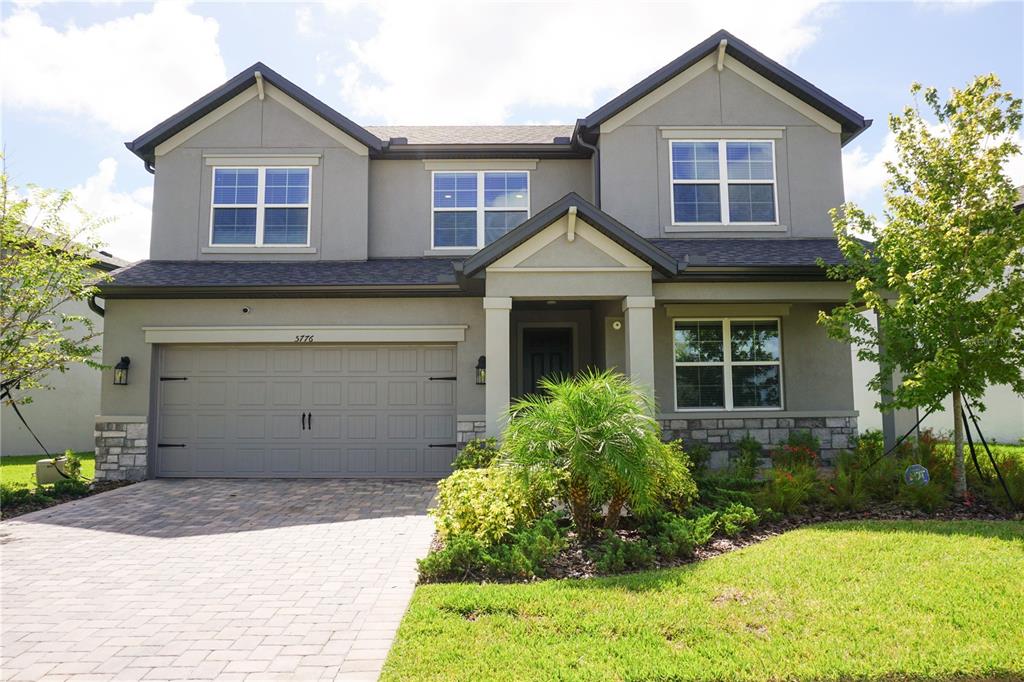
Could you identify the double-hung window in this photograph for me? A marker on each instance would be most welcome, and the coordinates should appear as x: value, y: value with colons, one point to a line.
x: 723, y: 182
x: 471, y: 209
x: 727, y: 364
x: 260, y: 207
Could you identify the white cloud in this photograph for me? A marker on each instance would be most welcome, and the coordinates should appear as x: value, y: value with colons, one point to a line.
x: 476, y: 63
x: 864, y: 171
x: 126, y: 235
x: 128, y: 73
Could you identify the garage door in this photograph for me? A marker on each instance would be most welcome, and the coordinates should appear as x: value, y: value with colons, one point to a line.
x: 306, y: 412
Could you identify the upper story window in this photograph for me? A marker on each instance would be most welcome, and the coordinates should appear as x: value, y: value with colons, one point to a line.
x: 260, y: 207
x: 727, y: 364
x: 723, y: 182
x: 471, y: 209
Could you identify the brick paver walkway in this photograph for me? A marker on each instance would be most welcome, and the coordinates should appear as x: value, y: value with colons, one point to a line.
x: 212, y: 579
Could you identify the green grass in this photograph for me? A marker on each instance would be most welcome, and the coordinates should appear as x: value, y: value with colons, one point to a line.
x: 20, y: 470
x: 858, y: 600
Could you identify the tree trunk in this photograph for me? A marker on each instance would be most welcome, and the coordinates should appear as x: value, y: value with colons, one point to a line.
x: 615, y: 505
x: 959, y: 471
x: 579, y: 507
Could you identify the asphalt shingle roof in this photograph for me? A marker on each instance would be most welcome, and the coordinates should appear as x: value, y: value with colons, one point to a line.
x: 738, y: 252
x: 413, y: 272
x: 474, y: 134
x: 377, y: 272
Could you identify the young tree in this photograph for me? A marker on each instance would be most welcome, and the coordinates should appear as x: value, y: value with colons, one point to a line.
x: 44, y: 264
x: 944, y: 272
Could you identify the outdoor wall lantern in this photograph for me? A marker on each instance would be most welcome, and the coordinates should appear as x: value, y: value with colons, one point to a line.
x: 121, y: 371
x: 481, y: 370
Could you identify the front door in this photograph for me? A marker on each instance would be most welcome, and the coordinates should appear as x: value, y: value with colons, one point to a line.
x: 547, y: 352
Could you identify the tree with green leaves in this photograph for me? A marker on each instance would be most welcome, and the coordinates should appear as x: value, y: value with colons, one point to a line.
x: 45, y: 263
x: 944, y: 271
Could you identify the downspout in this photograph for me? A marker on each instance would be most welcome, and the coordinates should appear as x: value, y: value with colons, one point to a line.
x: 95, y: 307
x: 578, y: 135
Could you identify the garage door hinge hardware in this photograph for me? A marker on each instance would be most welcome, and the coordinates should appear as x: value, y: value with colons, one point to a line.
x: 442, y: 378
x: 173, y: 378
x: 170, y: 445
x: 443, y: 445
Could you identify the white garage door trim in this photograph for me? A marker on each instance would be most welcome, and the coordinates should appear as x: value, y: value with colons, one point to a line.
x: 306, y: 410
x: 418, y: 333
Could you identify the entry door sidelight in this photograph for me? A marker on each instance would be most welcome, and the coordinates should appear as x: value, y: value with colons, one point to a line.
x: 547, y: 352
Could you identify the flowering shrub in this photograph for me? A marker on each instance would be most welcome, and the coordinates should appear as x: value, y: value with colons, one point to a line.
x: 789, y: 490
x: 800, y: 449
x: 489, y: 504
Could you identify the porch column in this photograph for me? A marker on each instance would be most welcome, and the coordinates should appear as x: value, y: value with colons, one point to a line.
x: 640, y: 340
x: 499, y: 385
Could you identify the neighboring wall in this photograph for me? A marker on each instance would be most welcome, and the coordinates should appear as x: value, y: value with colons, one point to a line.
x: 635, y: 180
x: 261, y: 131
x: 400, y: 200
x: 64, y: 417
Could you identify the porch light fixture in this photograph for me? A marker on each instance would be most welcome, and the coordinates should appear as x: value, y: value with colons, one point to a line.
x: 121, y: 371
x: 481, y: 371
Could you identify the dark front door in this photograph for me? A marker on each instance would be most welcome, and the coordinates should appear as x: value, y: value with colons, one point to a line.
x: 547, y: 352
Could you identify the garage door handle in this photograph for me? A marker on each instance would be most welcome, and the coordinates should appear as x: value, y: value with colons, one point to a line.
x: 442, y: 378
x: 171, y: 445
x: 309, y: 421
x: 443, y: 445
x: 303, y: 421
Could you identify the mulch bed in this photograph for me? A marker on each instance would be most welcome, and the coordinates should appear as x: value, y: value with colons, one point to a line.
x: 574, y: 561
x: 35, y: 501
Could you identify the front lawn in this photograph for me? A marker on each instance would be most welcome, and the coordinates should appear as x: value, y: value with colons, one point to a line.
x: 20, y: 470
x: 867, y: 600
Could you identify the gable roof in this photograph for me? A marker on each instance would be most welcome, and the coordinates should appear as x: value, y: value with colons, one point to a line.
x: 852, y: 123
x: 144, y: 145
x: 593, y: 216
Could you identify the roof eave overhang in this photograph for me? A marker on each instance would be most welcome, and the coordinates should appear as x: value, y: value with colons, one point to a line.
x: 398, y: 152
x: 298, y: 291
x: 777, y: 273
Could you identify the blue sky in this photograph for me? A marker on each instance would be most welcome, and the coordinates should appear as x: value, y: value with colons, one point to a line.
x: 81, y: 78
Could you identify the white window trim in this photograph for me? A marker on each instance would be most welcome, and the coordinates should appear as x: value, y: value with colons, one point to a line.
x: 723, y: 184
x: 727, y: 364
x: 260, y: 206
x: 480, y: 209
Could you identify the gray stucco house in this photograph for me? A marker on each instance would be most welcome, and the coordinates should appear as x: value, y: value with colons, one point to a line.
x: 325, y: 299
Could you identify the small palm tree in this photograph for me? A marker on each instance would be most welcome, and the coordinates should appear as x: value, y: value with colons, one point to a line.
x: 596, y: 432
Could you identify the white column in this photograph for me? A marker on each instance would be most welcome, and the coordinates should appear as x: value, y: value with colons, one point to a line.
x: 498, y: 389
x: 640, y: 340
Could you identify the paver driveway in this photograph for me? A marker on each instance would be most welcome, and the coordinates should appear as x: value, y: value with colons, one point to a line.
x: 212, y: 579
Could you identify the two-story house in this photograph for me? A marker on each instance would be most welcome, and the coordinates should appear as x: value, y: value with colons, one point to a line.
x: 325, y: 299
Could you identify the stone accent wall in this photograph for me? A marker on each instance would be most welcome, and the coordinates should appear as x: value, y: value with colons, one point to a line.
x: 121, y: 449
x: 722, y: 435
x: 469, y: 428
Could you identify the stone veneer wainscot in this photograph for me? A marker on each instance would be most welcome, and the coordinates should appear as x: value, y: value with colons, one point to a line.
x: 122, y: 447
x: 722, y: 435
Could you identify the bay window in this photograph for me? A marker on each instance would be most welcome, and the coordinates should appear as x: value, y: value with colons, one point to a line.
x: 471, y: 209
x: 260, y: 207
x: 723, y: 182
x: 727, y: 364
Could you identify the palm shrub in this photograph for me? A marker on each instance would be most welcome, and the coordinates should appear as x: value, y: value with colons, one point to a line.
x: 596, y: 432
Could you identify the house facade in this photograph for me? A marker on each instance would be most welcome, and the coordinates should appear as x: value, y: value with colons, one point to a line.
x: 325, y: 299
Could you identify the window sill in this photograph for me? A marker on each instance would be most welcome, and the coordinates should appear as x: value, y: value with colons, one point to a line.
x: 258, y: 249
x: 454, y: 251
x: 731, y: 227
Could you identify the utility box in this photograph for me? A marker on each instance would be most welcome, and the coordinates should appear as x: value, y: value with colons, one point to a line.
x: 50, y: 470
